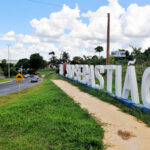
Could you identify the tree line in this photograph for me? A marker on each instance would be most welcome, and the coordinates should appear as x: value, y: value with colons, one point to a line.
x: 30, y: 65
x: 142, y: 58
x: 36, y: 61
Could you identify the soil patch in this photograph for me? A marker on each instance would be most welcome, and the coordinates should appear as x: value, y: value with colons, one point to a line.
x: 125, y: 135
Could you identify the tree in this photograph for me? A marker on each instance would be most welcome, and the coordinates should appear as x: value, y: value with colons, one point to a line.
x: 52, y: 53
x: 54, y: 60
x: 65, y: 57
x: 3, y: 64
x: 44, y: 64
x: 136, y: 51
x: 13, y: 71
x: 147, y: 53
x: 99, y: 49
x: 77, y: 60
x: 24, y: 63
x: 36, y: 61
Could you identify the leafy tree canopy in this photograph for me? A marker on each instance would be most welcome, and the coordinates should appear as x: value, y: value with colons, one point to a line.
x: 24, y: 63
x: 65, y: 57
x: 36, y: 61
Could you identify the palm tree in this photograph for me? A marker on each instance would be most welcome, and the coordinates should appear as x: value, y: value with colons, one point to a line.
x: 65, y: 57
x: 52, y: 53
x: 136, y: 51
x: 99, y: 49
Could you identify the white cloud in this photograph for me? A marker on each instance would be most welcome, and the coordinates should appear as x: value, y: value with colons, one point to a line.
x: 136, y: 21
x: 65, y: 31
x: 27, y: 39
x: 10, y: 36
x: 55, y: 25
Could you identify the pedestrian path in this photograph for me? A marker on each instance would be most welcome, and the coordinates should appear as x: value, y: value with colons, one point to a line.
x: 122, y: 131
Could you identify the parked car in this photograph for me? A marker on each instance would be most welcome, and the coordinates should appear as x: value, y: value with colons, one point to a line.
x: 26, y: 76
x: 36, y: 76
x: 32, y: 75
x: 34, y: 79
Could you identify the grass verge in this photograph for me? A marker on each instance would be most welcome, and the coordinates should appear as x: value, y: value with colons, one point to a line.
x: 145, y: 117
x: 4, y: 80
x: 46, y: 118
x: 12, y: 96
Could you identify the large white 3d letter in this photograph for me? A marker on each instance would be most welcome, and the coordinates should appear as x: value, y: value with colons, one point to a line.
x: 130, y: 84
x: 76, y: 72
x: 145, y: 89
x: 110, y: 69
x: 99, y: 69
x: 80, y: 73
x: 61, y: 69
x: 118, y: 81
x: 86, y: 74
x: 71, y: 73
x: 67, y: 70
x: 92, y: 76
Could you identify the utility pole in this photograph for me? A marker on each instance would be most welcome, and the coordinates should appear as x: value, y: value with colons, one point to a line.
x: 108, y: 38
x: 8, y: 63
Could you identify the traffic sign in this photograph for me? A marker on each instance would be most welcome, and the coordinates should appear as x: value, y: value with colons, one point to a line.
x: 19, y: 77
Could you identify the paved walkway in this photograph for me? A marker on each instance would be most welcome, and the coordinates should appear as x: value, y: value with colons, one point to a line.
x: 122, y: 131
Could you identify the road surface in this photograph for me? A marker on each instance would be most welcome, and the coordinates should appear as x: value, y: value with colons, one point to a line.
x: 9, y: 87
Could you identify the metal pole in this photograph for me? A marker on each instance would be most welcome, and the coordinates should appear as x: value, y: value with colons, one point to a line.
x: 108, y: 37
x: 8, y: 64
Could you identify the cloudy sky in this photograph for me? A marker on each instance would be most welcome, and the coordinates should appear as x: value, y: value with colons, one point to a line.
x: 75, y: 26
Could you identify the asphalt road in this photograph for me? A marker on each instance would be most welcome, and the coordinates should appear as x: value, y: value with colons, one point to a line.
x: 9, y: 87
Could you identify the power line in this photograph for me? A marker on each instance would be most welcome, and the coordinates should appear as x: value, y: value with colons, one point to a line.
x: 45, y: 3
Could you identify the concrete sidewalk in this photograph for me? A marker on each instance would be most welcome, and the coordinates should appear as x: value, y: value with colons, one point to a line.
x: 122, y: 131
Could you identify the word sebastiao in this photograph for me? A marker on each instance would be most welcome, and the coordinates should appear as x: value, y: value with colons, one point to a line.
x: 88, y: 74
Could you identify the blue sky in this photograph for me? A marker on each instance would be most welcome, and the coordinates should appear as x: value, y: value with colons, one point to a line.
x: 16, y: 14
x: 25, y: 24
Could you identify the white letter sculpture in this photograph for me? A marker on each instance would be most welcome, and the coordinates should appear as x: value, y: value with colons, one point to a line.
x: 76, y: 72
x: 92, y: 76
x: 118, y: 81
x: 130, y: 84
x: 145, y: 89
x: 110, y: 69
x: 86, y: 74
x: 61, y: 72
x: 99, y: 69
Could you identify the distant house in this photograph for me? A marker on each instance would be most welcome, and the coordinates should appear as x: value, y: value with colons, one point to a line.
x: 118, y: 53
x: 10, y: 61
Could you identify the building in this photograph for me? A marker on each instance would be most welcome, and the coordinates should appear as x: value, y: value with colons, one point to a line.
x: 10, y: 61
x: 118, y: 53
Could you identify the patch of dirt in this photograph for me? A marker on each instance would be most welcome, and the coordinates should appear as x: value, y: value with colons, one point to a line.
x: 125, y: 135
x: 102, y: 123
x: 112, y: 120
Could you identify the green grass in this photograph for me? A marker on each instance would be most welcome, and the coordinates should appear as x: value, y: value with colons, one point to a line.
x: 7, y: 79
x: 139, y: 114
x: 4, y: 80
x: 46, y: 118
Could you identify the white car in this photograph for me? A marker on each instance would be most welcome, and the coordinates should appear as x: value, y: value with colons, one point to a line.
x: 26, y: 76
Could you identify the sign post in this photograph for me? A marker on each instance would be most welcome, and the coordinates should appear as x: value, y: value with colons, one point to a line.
x: 19, y: 78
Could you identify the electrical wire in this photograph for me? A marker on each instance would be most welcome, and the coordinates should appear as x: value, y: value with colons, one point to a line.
x: 45, y: 3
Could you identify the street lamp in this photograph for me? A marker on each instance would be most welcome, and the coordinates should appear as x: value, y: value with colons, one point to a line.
x: 8, y: 63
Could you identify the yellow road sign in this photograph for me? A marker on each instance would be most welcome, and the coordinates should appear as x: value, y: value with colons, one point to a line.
x: 19, y: 77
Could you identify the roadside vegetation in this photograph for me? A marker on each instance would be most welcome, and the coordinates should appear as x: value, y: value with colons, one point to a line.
x: 46, y: 118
